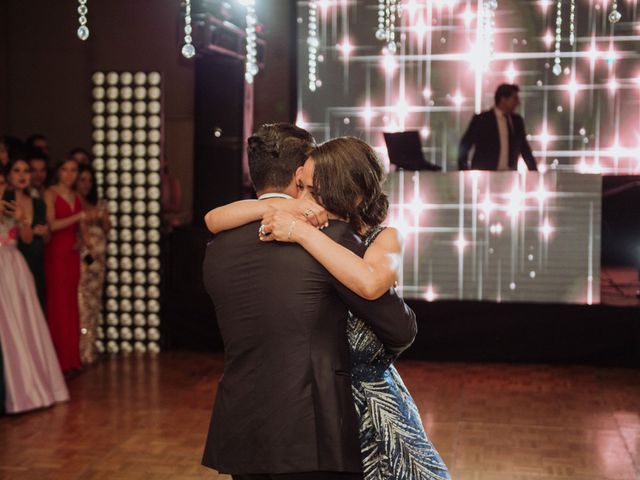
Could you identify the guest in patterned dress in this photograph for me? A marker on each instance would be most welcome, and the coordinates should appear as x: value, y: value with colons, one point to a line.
x: 93, y: 267
x: 345, y: 176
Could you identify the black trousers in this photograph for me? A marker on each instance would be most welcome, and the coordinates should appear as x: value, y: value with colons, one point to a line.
x: 301, y: 476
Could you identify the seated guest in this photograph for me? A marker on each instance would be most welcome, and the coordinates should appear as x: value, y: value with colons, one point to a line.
x: 32, y: 375
x: 37, y: 140
x: 93, y: 266
x: 39, y: 163
x: 81, y: 156
x: 498, y: 136
x: 18, y: 178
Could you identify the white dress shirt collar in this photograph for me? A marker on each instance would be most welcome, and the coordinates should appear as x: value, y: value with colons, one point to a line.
x: 264, y: 196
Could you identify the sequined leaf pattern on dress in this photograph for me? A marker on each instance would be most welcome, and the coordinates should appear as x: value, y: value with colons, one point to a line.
x: 392, y: 438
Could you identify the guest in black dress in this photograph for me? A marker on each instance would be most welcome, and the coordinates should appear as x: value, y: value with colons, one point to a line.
x: 19, y: 178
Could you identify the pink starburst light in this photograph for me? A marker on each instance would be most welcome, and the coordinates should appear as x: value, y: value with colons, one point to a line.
x: 345, y: 47
x: 544, y: 138
x: 468, y: 17
x: 487, y: 205
x: 593, y: 51
x: 542, y: 194
x: 460, y: 243
x: 548, y: 39
x: 546, y: 229
x: 457, y: 99
x: 511, y: 73
x: 611, y: 56
x: 544, y: 4
x: 426, y: 93
x: 367, y: 113
x: 516, y: 201
x: 430, y: 294
x: 420, y: 28
x: 573, y: 87
x: 300, y: 121
x: 389, y: 63
x: 425, y: 132
x: 613, y: 84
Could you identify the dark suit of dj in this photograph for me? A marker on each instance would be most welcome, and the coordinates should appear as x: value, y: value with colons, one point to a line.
x: 483, y: 134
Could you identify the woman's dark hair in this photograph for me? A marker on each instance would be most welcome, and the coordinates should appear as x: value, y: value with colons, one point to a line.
x: 347, y: 181
x: 81, y: 150
x: 92, y: 196
x: 15, y: 147
x: 9, y: 166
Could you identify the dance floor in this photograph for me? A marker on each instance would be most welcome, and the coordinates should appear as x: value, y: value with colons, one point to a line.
x: 147, y: 417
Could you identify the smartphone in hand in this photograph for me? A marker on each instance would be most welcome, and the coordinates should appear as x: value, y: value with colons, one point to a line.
x: 9, y: 195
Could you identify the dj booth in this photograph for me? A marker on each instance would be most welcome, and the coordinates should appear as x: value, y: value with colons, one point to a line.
x: 505, y: 266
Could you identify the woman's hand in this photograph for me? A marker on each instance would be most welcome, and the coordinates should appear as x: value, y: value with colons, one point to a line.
x: 41, y: 230
x: 281, y: 226
x: 306, y: 210
x: 4, y: 208
x: 14, y: 210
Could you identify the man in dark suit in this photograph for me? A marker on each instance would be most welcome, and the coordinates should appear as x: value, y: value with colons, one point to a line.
x: 284, y: 408
x: 497, y: 135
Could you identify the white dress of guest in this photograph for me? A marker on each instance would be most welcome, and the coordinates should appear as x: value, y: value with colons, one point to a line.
x: 32, y: 374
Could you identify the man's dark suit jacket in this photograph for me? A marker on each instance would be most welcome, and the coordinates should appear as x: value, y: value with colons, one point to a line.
x: 284, y: 403
x: 483, y: 134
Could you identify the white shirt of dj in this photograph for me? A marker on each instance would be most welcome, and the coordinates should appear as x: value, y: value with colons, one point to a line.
x: 503, y: 132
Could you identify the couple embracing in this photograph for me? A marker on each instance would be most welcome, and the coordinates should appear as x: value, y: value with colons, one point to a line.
x: 302, y: 282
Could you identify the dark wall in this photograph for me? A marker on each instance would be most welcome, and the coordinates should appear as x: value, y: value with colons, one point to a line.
x: 275, y: 85
x: 45, y: 70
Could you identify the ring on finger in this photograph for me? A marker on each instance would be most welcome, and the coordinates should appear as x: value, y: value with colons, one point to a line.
x: 261, y: 231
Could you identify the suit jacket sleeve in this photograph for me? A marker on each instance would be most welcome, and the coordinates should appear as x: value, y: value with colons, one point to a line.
x: 389, y: 317
x: 525, y: 149
x: 468, y: 140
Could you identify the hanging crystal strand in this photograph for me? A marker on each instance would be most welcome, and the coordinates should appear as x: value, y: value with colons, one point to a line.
x: 572, y: 23
x: 83, y: 30
x: 313, y: 44
x: 391, y: 32
x: 251, y: 64
x: 557, y: 67
x: 493, y: 6
x: 380, y: 32
x: 614, y: 16
x: 188, y: 50
x: 487, y: 17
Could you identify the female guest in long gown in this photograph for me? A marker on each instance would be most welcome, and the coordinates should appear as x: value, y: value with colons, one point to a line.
x: 32, y: 375
x: 93, y: 265
x: 62, y: 264
x: 19, y: 178
x: 345, y: 177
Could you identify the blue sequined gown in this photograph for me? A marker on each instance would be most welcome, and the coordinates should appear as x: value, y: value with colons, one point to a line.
x: 393, y: 441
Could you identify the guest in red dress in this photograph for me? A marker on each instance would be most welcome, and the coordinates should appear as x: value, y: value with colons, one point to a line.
x: 62, y: 264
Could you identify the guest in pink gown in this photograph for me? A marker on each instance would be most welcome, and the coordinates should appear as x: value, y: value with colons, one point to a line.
x: 32, y: 374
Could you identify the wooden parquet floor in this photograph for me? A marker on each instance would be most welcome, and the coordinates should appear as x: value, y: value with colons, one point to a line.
x: 147, y: 418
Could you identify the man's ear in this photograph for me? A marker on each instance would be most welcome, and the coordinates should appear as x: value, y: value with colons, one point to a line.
x: 298, y: 175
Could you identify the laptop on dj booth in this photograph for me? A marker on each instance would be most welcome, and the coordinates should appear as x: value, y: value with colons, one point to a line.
x: 405, y: 151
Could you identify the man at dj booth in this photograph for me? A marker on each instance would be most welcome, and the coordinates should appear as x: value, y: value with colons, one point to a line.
x: 497, y: 136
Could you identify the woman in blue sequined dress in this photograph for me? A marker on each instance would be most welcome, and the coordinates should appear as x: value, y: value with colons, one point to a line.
x: 345, y: 176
